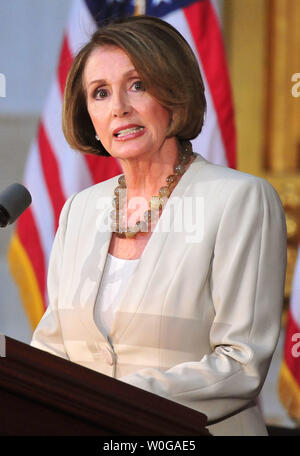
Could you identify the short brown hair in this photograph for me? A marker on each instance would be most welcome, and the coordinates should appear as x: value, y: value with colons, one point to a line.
x: 166, y: 65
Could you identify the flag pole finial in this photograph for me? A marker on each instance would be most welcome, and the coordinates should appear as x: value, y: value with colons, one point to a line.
x: 139, y: 7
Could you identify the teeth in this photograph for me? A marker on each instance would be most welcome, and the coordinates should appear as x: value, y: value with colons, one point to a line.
x: 127, y: 131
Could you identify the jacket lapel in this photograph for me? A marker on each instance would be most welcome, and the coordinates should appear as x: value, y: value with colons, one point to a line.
x: 95, y: 238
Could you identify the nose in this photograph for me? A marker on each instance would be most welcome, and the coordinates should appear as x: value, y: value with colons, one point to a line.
x: 120, y: 105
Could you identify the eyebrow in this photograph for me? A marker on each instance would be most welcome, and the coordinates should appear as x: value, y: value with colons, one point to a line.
x: 104, y: 82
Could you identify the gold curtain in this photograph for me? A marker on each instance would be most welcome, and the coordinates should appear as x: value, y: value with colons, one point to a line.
x: 263, y: 48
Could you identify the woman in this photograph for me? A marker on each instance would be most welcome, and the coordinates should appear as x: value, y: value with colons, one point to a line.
x: 184, y: 302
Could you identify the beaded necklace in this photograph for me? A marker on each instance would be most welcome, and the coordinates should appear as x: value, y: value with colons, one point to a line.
x: 156, y: 203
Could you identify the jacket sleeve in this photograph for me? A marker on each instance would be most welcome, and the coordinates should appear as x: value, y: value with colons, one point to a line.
x: 47, y: 335
x: 247, y: 285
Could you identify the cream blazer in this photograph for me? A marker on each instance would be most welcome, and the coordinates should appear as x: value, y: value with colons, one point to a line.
x: 200, y: 318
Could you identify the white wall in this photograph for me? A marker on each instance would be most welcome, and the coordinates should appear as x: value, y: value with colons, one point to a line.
x: 30, y: 37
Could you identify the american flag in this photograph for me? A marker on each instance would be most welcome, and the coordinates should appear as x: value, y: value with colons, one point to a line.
x: 289, y: 376
x: 54, y: 171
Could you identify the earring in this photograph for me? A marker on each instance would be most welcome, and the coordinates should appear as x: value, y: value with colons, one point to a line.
x: 187, y: 147
x: 97, y: 137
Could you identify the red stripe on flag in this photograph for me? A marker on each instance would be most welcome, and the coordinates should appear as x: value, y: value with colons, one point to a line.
x: 207, y: 36
x: 102, y: 168
x: 29, y: 238
x: 51, y: 173
x: 64, y: 65
x: 292, y: 347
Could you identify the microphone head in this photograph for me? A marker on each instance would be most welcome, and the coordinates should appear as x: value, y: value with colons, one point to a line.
x: 15, y: 199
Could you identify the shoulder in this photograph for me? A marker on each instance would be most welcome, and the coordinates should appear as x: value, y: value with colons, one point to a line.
x: 104, y: 188
x: 227, y: 182
x: 94, y: 196
x: 232, y: 195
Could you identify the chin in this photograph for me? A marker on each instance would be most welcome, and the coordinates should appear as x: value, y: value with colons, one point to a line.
x: 128, y: 152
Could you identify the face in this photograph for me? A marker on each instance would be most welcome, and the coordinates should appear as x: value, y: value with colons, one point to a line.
x: 129, y: 122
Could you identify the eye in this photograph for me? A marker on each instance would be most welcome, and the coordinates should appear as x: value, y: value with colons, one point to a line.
x: 99, y: 93
x: 138, y: 86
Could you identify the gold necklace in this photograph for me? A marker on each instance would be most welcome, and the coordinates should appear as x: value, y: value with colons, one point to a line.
x: 156, y: 203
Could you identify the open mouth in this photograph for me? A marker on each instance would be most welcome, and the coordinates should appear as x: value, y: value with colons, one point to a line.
x: 128, y: 131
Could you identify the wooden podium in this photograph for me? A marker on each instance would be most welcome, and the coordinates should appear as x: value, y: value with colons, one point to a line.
x: 42, y: 394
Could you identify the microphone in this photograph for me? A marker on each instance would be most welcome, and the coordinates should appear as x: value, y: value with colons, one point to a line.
x: 13, y: 201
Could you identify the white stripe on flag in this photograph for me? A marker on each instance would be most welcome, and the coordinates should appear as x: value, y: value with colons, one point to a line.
x: 218, y: 7
x: 41, y: 205
x: 73, y: 171
x: 80, y: 26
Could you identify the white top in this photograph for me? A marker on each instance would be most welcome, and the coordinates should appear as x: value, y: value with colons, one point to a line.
x: 116, y: 274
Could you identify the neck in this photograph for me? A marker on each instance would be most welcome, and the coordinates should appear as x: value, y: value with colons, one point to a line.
x: 144, y: 214
x: 145, y: 175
